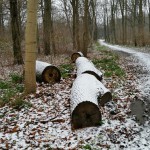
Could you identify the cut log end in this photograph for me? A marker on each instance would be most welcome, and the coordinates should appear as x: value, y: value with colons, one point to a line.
x: 105, y: 98
x: 74, y: 56
x: 94, y: 74
x: 86, y: 114
x: 51, y: 74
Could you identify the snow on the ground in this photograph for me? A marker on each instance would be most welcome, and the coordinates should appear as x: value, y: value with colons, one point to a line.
x: 142, y: 59
x: 47, y: 123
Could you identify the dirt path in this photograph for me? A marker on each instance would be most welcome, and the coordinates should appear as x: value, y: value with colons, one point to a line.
x: 140, y: 62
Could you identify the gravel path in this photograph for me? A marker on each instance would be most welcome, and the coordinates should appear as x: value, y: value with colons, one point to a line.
x: 140, y: 65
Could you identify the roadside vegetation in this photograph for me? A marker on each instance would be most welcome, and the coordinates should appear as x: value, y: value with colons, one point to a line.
x: 11, y: 92
x: 108, y: 62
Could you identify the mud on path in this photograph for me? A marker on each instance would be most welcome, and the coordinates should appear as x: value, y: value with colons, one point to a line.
x: 139, y: 65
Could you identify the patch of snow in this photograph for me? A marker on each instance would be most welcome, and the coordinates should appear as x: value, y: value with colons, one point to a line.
x: 143, y: 60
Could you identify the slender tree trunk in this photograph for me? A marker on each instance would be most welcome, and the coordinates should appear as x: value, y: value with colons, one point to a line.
x: 73, y: 3
x: 19, y: 17
x: 67, y: 17
x: 77, y: 26
x: 141, y: 24
x: 38, y: 40
x: 107, y: 26
x: 105, y: 29
x: 125, y: 26
x: 31, y: 46
x: 149, y: 14
x: 122, y: 8
x: 134, y: 5
x: 94, y: 24
x: 1, y: 18
x: 85, y: 24
x: 46, y: 27
x: 53, y: 38
x: 113, y: 26
x: 15, y: 32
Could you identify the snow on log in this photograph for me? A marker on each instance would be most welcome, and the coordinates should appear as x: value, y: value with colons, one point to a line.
x: 84, y: 65
x: 85, y: 94
x: 74, y: 56
x: 47, y: 73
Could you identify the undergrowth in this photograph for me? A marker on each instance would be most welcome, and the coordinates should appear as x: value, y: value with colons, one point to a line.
x: 108, y: 62
x: 11, y: 91
x: 66, y: 70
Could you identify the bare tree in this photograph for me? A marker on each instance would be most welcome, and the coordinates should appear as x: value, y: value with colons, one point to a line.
x: 141, y: 24
x: 1, y: 18
x: 15, y: 27
x: 31, y: 46
x: 85, y: 28
x: 47, y: 26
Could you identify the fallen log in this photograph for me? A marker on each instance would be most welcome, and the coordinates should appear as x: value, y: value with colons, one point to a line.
x: 85, y: 94
x: 74, y: 56
x: 84, y: 65
x: 47, y: 73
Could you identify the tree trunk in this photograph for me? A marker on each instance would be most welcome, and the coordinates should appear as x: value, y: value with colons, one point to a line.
x: 38, y: 40
x: 86, y: 66
x: 85, y: 29
x: 73, y: 3
x: 47, y: 26
x: 47, y: 73
x: 15, y: 32
x: 31, y: 47
x: 141, y: 24
x: 122, y: 8
x: 67, y: 17
x: 1, y: 18
x: 77, y: 26
x: 113, y: 24
x: 84, y: 102
x: 53, y: 36
x: 94, y: 24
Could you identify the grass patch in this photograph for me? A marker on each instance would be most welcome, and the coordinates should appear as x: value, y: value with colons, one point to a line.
x: 66, y: 70
x: 19, y: 103
x: 108, y: 63
x: 10, y: 88
x: 87, y: 147
x: 16, y: 78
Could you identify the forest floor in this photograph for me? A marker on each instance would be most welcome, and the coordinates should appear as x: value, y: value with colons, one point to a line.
x: 45, y: 124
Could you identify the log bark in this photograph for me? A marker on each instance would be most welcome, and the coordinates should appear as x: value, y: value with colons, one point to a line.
x: 85, y: 94
x: 47, y: 73
x: 74, y: 56
x: 84, y: 65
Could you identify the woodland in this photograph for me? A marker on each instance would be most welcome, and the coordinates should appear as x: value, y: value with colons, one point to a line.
x: 75, y: 74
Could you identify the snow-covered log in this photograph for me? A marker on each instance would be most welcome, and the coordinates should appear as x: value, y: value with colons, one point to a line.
x: 74, y: 56
x: 47, y: 73
x: 84, y: 65
x: 85, y: 94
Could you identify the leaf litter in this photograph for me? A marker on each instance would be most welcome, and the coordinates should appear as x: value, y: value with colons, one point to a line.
x: 47, y: 124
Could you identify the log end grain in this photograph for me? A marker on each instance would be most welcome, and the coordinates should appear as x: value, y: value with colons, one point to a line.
x: 86, y: 114
x: 106, y: 97
x: 74, y: 56
x: 51, y: 74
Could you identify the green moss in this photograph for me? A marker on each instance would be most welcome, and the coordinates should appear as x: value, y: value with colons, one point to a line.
x: 66, y: 70
x: 87, y: 147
